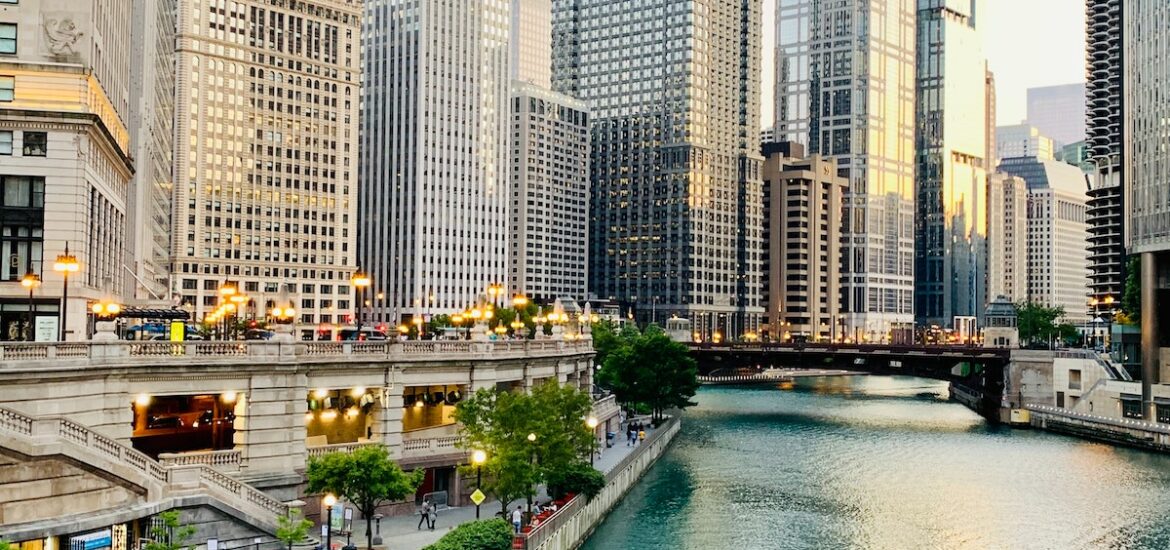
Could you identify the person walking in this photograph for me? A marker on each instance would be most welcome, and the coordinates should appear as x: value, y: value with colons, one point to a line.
x: 432, y: 515
x: 424, y: 514
x: 517, y: 519
x: 641, y: 436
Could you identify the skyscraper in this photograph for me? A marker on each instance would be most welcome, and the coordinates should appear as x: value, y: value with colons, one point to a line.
x: 266, y: 115
x: 434, y: 153
x: 1058, y: 111
x: 1105, y: 144
x: 1022, y: 140
x: 65, y: 162
x: 531, y: 42
x: 851, y: 63
x: 951, y: 138
x: 1146, y: 168
x: 1007, y: 238
x: 673, y: 90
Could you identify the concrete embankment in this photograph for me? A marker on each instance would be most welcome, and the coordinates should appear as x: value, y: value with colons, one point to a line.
x: 1127, y: 432
x: 569, y: 529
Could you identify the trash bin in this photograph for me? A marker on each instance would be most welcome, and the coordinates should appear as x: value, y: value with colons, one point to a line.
x: 609, y: 437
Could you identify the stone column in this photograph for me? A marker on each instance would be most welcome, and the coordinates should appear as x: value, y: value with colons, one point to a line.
x: 1151, y: 354
x: 388, y: 427
x: 272, y: 433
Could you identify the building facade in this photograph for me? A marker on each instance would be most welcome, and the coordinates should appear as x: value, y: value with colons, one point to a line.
x: 845, y: 85
x: 151, y: 126
x: 531, y: 44
x: 1023, y: 140
x: 266, y: 114
x: 1058, y: 111
x: 1105, y: 146
x: 65, y: 161
x: 434, y: 154
x: 1057, y: 240
x: 802, y: 231
x: 951, y: 137
x: 1146, y: 169
x: 673, y: 92
x: 1007, y: 238
x: 549, y: 236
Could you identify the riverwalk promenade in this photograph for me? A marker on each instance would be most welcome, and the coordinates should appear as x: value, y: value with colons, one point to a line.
x: 402, y: 533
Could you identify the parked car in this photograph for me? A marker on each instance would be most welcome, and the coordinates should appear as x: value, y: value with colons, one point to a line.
x: 367, y: 334
x: 258, y: 334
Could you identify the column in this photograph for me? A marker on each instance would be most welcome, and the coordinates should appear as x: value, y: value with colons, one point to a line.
x: 272, y: 433
x: 388, y: 426
x: 1151, y: 352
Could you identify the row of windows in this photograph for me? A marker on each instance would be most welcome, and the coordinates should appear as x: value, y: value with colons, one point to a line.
x: 35, y: 143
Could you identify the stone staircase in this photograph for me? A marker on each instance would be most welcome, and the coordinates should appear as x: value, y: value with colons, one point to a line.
x: 135, y: 483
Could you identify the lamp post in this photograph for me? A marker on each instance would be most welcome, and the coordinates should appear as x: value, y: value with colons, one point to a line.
x: 329, y: 501
x: 532, y: 463
x: 104, y: 312
x: 592, y: 423
x: 238, y: 302
x: 30, y: 281
x: 360, y: 281
x: 66, y: 263
x: 478, y: 458
x: 284, y: 313
x: 495, y: 290
x: 226, y: 291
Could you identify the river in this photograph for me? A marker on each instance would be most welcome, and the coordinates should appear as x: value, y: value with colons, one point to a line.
x: 880, y: 462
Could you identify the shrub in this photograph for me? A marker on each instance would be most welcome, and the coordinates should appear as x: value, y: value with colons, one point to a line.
x: 488, y: 534
x: 578, y: 478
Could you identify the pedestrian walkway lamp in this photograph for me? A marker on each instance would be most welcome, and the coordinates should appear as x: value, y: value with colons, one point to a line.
x: 532, y: 463
x: 66, y: 263
x: 30, y: 281
x: 360, y: 282
x: 592, y: 423
x: 329, y: 501
x: 478, y: 458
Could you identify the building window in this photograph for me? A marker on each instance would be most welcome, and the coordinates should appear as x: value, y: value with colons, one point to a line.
x: 6, y: 142
x: 7, y: 38
x: 1163, y: 413
x: 1131, y: 408
x: 22, y: 222
x: 7, y: 88
x: 35, y: 144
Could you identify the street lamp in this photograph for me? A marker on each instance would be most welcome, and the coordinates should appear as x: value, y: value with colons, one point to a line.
x: 495, y: 290
x: 360, y: 281
x: 238, y: 301
x: 519, y: 301
x: 30, y: 281
x: 329, y: 501
x: 478, y: 458
x: 592, y: 423
x: 66, y: 263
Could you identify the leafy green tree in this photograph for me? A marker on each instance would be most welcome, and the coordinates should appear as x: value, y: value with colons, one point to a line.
x: 4, y: 545
x: 1037, y: 323
x: 367, y: 477
x: 651, y: 370
x: 578, y: 478
x: 292, y: 528
x: 1131, y: 298
x: 167, y: 534
x: 488, y: 534
x: 1069, y: 334
x: 438, y: 323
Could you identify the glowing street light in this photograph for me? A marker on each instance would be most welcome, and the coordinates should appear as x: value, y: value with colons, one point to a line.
x: 65, y: 264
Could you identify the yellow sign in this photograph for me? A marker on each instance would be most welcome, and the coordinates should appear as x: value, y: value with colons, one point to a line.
x: 177, y: 330
x: 478, y: 497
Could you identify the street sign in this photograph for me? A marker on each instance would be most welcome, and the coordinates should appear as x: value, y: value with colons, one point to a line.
x: 478, y: 497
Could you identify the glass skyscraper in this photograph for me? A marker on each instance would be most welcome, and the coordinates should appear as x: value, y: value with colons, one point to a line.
x: 845, y: 86
x: 675, y: 212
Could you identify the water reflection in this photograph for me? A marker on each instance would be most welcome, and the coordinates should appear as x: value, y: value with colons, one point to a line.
x: 875, y: 462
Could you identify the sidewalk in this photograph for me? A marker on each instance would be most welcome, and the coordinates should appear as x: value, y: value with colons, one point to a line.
x: 402, y: 533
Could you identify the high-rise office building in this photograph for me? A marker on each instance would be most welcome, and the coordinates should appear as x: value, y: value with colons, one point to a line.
x: 845, y: 86
x: 1022, y: 140
x: 531, y: 42
x: 1007, y: 238
x: 65, y: 161
x: 434, y: 154
x: 951, y: 137
x: 1146, y: 165
x: 266, y: 115
x: 151, y: 127
x: 802, y: 232
x: 673, y: 92
x: 550, y: 195
x: 1058, y: 266
x: 1058, y: 111
x: 1105, y: 146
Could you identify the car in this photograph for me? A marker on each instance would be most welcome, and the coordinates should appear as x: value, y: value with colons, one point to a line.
x: 368, y: 334
x: 258, y: 334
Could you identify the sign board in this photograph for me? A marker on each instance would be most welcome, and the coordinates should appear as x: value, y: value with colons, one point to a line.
x: 46, y: 328
x: 478, y: 497
x: 336, y: 519
x: 178, y: 331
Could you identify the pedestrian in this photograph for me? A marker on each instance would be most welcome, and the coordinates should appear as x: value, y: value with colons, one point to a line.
x: 432, y: 515
x: 424, y: 513
x: 517, y: 518
x: 641, y: 436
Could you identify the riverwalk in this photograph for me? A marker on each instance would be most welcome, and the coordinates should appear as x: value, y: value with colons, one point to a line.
x: 402, y: 533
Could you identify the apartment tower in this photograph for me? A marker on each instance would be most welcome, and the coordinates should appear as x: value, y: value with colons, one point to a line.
x: 1105, y: 121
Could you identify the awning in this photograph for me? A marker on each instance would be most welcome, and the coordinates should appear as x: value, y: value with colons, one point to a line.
x: 148, y: 313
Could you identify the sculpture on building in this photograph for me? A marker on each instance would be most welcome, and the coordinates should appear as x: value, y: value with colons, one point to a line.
x: 63, y: 36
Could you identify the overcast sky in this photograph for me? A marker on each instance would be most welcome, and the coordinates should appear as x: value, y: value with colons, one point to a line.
x: 1028, y: 43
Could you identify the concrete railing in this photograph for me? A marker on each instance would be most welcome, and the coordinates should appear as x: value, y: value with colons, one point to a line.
x: 228, y: 460
x: 1127, y: 423
x: 15, y: 355
x: 430, y: 446
x: 322, y: 450
x: 605, y: 408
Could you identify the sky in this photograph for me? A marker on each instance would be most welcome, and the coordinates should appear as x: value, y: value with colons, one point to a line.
x: 1028, y: 43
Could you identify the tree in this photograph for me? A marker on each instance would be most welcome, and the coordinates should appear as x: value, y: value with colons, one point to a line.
x: 367, y: 477
x: 167, y: 534
x: 292, y: 528
x: 1069, y: 334
x: 1037, y: 322
x: 438, y: 323
x: 651, y: 370
x: 1131, y: 298
x: 579, y: 478
x: 488, y: 534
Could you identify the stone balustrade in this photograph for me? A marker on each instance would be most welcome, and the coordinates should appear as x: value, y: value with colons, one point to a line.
x: 430, y: 446
x: 322, y: 450
x: 605, y: 408
x: 227, y: 460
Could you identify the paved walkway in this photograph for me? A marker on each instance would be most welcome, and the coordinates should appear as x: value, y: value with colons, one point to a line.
x: 402, y: 533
